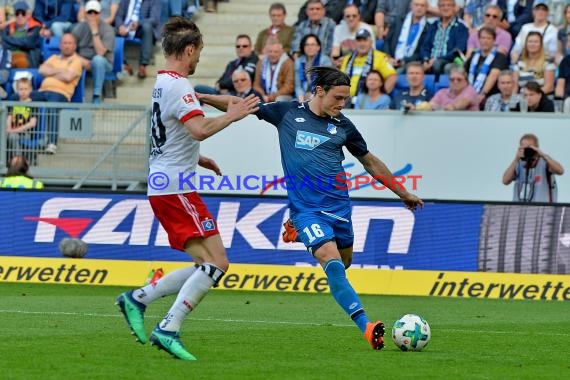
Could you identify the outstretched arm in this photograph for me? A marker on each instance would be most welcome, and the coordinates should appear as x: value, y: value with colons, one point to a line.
x: 377, y: 169
x: 220, y: 102
x: 201, y: 127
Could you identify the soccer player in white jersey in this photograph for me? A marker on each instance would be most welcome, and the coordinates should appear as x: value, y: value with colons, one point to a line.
x: 178, y: 125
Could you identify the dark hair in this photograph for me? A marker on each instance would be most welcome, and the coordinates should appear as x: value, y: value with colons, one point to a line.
x: 277, y: 6
x: 365, y: 87
x: 534, y: 87
x: 239, y: 36
x: 177, y: 34
x: 488, y: 30
x: 327, y: 77
x: 18, y: 166
x: 304, y: 41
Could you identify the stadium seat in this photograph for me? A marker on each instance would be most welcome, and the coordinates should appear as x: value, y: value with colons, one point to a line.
x: 429, y: 83
x: 118, y: 59
x: 49, y: 47
x: 443, y: 82
x: 402, y: 83
x: 79, y: 94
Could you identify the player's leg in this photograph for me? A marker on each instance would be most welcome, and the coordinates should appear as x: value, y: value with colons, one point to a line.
x: 211, y: 253
x: 133, y: 303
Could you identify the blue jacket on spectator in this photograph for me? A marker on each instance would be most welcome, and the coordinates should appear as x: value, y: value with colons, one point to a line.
x: 49, y: 11
x: 458, y: 36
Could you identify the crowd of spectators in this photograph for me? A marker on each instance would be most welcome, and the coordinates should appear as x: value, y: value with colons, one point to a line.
x: 472, y: 55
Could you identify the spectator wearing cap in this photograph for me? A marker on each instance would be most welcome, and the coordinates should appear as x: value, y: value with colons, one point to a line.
x: 543, y: 26
x: 7, y: 11
x: 108, y: 11
x: 445, y: 40
x: 96, y: 44
x: 344, y: 33
x: 56, y: 16
x: 364, y: 59
x: 140, y: 19
x: 18, y: 175
x: 22, y: 37
x: 316, y: 23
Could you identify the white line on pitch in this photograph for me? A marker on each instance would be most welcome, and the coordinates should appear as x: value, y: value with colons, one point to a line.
x: 229, y: 320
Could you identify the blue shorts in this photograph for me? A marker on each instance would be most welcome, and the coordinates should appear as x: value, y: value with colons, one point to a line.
x: 319, y: 227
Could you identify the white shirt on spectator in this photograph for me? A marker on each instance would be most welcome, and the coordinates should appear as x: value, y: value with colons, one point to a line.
x: 549, y: 38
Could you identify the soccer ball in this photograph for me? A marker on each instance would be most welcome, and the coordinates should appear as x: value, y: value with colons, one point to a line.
x: 411, y: 333
x: 73, y: 247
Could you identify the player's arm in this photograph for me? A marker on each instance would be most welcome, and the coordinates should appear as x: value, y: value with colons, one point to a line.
x: 377, y: 169
x: 219, y: 102
x: 200, y: 127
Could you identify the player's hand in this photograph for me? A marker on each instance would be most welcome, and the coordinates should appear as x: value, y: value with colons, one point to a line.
x: 208, y: 163
x: 240, y: 108
x: 412, y: 202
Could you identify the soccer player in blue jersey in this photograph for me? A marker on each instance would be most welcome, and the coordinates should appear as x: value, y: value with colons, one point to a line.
x: 311, y: 137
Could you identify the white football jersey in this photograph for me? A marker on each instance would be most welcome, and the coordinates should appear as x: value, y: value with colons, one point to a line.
x: 174, y: 153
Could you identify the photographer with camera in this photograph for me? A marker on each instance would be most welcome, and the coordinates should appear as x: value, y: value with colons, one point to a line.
x: 533, y: 172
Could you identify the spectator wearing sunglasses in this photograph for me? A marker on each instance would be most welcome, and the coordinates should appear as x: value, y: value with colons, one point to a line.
x: 246, y: 60
x: 503, y: 41
x: 460, y: 96
x: 344, y: 39
x: 243, y: 84
x: 95, y: 46
x: 56, y: 16
x: 22, y: 37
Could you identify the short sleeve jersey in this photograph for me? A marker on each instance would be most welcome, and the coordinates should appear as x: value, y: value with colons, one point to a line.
x: 312, y: 155
x: 173, y: 151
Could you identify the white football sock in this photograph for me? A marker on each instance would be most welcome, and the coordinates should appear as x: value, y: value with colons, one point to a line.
x: 165, y: 286
x: 190, y: 295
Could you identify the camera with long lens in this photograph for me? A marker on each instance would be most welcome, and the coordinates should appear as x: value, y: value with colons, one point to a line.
x: 528, y: 154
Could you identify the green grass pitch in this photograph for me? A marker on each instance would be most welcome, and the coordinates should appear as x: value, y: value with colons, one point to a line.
x: 76, y: 332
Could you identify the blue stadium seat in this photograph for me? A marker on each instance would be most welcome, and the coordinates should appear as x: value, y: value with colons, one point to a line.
x: 118, y: 58
x: 429, y: 83
x: 443, y: 82
x: 402, y: 83
x: 79, y: 94
x: 49, y: 47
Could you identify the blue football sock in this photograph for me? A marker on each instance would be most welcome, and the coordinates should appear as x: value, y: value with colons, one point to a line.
x: 344, y: 294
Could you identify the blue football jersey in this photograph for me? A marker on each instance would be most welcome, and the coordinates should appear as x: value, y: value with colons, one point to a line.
x: 311, y: 154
